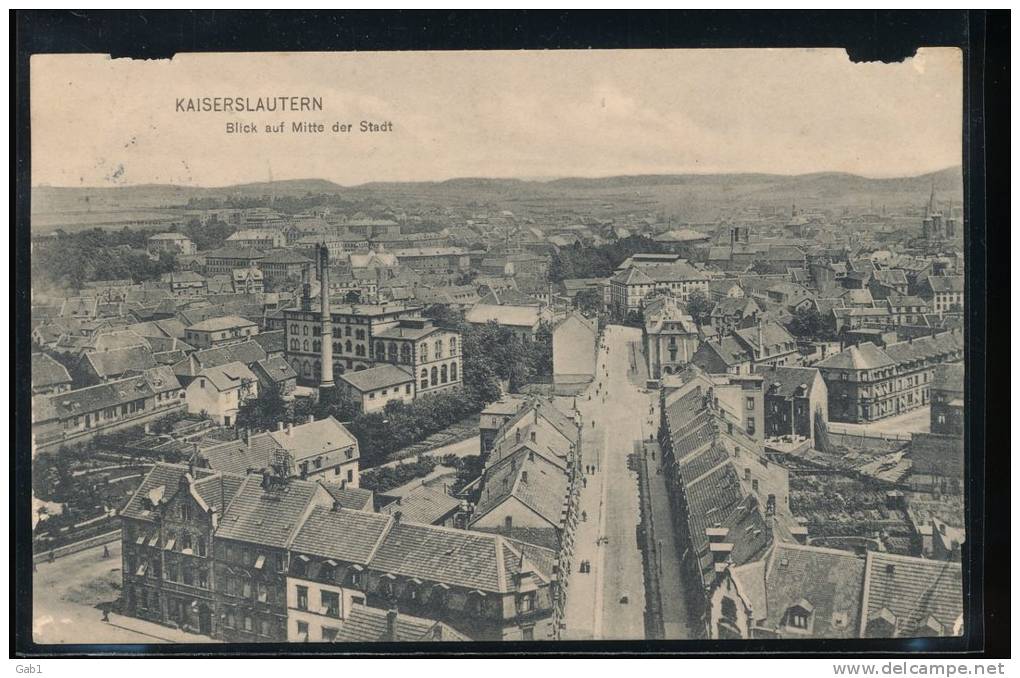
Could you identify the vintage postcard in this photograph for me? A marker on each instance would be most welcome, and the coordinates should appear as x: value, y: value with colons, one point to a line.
x: 336, y: 348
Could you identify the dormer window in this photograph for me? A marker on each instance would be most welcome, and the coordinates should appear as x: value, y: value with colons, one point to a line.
x: 799, y: 615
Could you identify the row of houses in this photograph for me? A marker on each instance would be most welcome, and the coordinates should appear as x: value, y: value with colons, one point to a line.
x: 751, y: 568
x: 266, y: 557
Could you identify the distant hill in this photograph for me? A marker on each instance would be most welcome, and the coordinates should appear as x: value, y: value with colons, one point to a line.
x: 685, y: 196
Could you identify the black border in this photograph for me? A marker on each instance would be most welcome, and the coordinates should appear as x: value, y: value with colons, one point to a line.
x: 867, y: 36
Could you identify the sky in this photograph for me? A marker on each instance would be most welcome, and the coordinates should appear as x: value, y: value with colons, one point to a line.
x: 98, y: 121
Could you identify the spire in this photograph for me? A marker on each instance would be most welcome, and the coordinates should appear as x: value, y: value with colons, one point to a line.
x: 931, y: 199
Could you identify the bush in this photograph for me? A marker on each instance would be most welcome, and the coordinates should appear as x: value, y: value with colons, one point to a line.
x: 389, y: 477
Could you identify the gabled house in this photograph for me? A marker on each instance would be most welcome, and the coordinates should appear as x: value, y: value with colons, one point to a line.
x: 220, y: 391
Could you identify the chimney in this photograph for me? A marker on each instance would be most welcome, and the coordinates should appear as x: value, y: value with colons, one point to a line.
x: 524, y: 479
x: 397, y: 515
x: 290, y: 427
x: 391, y: 624
x: 311, y: 418
x: 326, y: 381
x: 279, y: 426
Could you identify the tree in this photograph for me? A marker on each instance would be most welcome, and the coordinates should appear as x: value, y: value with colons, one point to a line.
x: 635, y: 319
x: 699, y: 306
x: 589, y: 301
x: 264, y: 411
x: 761, y: 267
x: 806, y: 322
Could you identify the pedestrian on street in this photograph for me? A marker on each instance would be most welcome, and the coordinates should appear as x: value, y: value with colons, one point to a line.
x: 585, y: 481
x: 106, y: 613
x: 51, y: 556
x: 106, y: 552
x: 584, y: 516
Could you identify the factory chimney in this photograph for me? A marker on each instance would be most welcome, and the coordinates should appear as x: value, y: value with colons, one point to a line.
x: 322, y: 257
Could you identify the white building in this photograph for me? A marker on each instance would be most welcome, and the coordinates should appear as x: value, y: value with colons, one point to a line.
x: 219, y: 391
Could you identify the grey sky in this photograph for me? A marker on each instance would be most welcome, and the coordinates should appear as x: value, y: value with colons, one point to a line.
x: 97, y: 121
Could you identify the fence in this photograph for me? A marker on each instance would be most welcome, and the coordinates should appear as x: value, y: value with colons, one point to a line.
x: 77, y: 546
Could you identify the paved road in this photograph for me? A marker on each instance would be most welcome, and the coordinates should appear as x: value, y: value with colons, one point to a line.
x: 618, y: 409
x: 913, y: 421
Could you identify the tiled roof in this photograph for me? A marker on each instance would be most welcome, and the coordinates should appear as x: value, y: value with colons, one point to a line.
x: 269, y: 517
x: 235, y: 253
x: 217, y: 490
x: 275, y: 369
x: 246, y: 352
x: 544, y: 490
x: 423, y: 505
x: 368, y: 624
x: 354, y: 498
x: 891, y: 276
x: 864, y: 356
x: 221, y: 323
x: 516, y: 316
x: 945, y: 283
x: 773, y: 335
x: 788, y: 379
x: 633, y: 276
x: 284, y: 257
x: 238, y: 456
x: 942, y: 344
x: 229, y: 376
x: 830, y: 581
x: 912, y: 589
x: 93, y: 398
x: 107, y: 364
x: 165, y: 476
x: 48, y: 372
x: 315, y: 438
x: 341, y: 534
x: 471, y: 560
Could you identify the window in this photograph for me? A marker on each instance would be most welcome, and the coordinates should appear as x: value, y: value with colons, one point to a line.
x: 350, y: 476
x: 246, y: 588
x: 443, y: 375
x: 750, y: 403
x: 453, y: 345
x: 434, y: 376
x: 264, y: 627
x: 302, y: 597
x: 329, y: 634
x: 247, y: 622
x: 407, y: 389
x: 526, y: 602
x: 453, y: 371
x: 750, y: 426
x: 439, y: 348
x: 331, y: 603
x: 528, y: 633
x: 754, y: 485
x: 263, y: 592
x: 798, y: 618
x: 424, y: 379
x: 729, y: 609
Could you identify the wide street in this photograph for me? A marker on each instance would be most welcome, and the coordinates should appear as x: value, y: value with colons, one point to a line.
x: 65, y: 595
x: 609, y: 601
